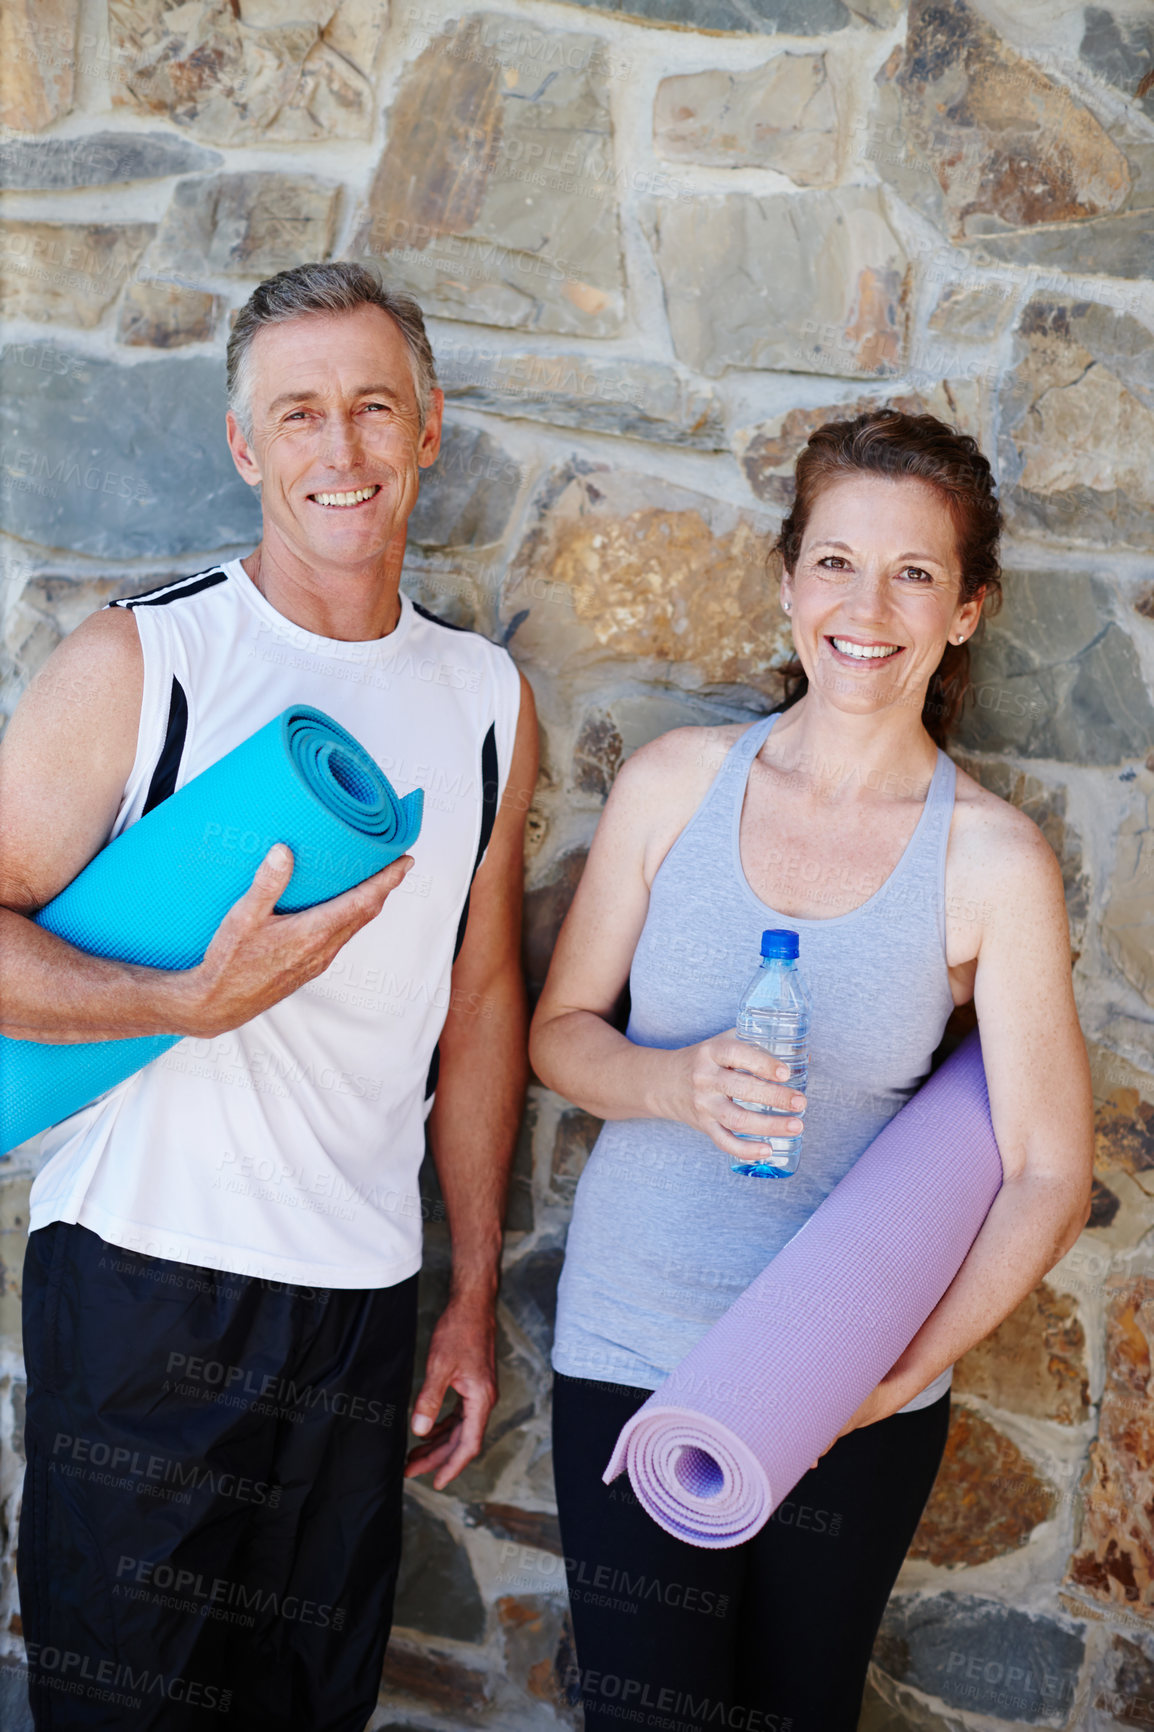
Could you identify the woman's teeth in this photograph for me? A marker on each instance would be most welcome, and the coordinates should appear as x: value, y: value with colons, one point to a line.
x: 357, y: 498
x: 864, y: 652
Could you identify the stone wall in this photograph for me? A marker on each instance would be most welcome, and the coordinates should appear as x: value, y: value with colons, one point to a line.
x: 659, y: 243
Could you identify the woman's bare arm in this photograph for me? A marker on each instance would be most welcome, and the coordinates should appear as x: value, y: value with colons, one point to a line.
x: 1040, y: 1100
x: 573, y: 1046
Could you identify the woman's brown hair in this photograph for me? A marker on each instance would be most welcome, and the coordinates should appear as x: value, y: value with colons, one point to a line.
x: 889, y: 442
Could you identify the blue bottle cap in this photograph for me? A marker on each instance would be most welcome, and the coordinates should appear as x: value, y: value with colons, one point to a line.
x: 779, y: 943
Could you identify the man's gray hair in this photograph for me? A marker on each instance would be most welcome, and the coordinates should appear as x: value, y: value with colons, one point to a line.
x: 338, y: 287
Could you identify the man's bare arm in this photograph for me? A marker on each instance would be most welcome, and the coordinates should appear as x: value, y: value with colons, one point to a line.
x: 65, y: 759
x: 473, y: 1126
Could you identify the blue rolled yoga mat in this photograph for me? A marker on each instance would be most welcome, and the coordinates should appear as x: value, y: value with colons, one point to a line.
x: 158, y: 892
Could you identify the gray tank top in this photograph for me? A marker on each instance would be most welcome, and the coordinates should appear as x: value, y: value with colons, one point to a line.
x: 664, y: 1237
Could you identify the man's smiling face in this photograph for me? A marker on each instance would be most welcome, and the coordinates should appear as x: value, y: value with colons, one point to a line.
x: 336, y: 443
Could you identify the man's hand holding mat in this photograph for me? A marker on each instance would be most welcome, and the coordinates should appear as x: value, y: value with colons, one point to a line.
x: 176, y: 891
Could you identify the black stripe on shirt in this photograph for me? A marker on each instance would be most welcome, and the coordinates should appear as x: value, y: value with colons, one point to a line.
x: 168, y: 764
x: 489, y: 791
x: 488, y: 819
x: 162, y: 600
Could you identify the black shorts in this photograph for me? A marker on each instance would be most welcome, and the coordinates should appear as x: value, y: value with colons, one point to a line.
x: 212, y: 1509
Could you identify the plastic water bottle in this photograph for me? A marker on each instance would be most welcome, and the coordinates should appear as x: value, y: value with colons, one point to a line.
x: 774, y: 1015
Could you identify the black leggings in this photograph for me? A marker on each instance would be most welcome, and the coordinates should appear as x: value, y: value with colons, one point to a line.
x: 771, y: 1636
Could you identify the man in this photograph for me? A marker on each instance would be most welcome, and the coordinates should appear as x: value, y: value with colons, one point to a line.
x: 220, y: 1285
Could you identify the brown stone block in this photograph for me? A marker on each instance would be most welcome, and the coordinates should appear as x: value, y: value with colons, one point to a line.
x: 987, y: 1498
x: 1034, y: 1363
x: 66, y: 273
x: 435, y: 1679
x: 1112, y: 427
x: 238, y: 75
x: 546, y: 906
x: 496, y: 196
x: 165, y: 316
x: 1124, y: 1133
x: 981, y: 138
x: 1077, y: 424
x: 780, y: 115
x: 539, y: 1652
x: 772, y: 449
x: 573, y: 1141
x: 1104, y: 1205
x: 967, y: 312
x: 1114, y: 1560
x: 597, y: 754
x: 1128, y: 1694
x: 624, y: 567
x: 37, y: 62
x: 537, y: 1529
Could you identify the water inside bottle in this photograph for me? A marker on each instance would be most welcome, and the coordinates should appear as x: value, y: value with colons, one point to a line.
x: 785, y: 1035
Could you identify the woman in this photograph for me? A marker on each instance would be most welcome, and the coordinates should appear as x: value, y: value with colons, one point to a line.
x: 913, y: 890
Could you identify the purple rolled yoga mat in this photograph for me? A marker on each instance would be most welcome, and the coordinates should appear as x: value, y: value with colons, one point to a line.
x: 735, y: 1425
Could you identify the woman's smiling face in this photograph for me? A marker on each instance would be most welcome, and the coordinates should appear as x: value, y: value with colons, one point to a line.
x: 875, y: 594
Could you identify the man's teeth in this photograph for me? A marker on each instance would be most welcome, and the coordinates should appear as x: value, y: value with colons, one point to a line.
x: 356, y: 498
x: 863, y: 651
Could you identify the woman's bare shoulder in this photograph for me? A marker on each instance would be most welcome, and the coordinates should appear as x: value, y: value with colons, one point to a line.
x: 661, y: 785
x: 993, y: 835
x: 693, y: 754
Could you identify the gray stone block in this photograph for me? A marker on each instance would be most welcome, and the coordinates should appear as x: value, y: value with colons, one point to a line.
x: 248, y: 225
x: 1120, y: 51
x: 467, y: 496
x: 806, y: 283
x: 100, y: 159
x: 1055, y: 678
x: 118, y: 462
x: 983, y: 1656
x: 1114, y: 246
x: 760, y: 17
x: 436, y: 1590
x: 519, y: 1208
x: 529, y: 1289
x: 15, y: 1714
x: 638, y: 399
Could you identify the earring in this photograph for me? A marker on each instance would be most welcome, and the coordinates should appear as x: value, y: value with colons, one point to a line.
x: 961, y: 637
x: 785, y: 605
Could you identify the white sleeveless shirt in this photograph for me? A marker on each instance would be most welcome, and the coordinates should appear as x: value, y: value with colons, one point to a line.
x: 289, y: 1148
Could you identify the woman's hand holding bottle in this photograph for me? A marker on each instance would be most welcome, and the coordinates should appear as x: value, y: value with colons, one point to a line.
x: 709, y: 1078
